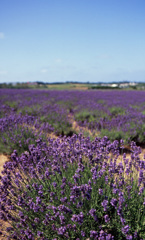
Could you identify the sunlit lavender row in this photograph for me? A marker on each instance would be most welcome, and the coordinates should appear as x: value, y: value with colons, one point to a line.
x: 69, y: 175
x: 72, y: 188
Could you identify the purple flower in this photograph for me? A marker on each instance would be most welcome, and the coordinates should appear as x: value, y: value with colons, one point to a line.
x: 39, y: 234
x: 135, y: 235
x: 93, y: 234
x: 63, y: 185
x: 62, y: 219
x: 106, y: 179
x: 62, y: 192
x: 36, y: 220
x: 106, y: 217
x: 83, y: 234
x: 38, y: 200
x: 79, y: 204
x: 125, y: 229
x: 100, y: 191
x: 63, y: 200
x: 93, y: 214
x: 40, y: 193
x: 47, y: 174
x: 54, y: 184
x: 129, y: 237
x: 104, y: 204
x: 64, y: 180
x: 52, y: 194
x: 76, y: 177
x: 78, y: 218
x: 123, y: 221
x: 113, y: 202
x: 75, y: 191
x: 61, y: 230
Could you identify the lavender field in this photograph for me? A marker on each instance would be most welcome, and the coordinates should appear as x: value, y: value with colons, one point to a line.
x: 69, y: 175
x: 116, y: 114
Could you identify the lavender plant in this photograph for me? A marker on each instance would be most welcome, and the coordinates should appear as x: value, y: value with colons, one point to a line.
x: 16, y: 132
x: 72, y: 188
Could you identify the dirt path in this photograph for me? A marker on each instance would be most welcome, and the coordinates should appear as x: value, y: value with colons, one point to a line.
x: 3, y: 159
x: 86, y: 131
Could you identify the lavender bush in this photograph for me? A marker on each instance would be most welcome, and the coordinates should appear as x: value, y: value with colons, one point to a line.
x: 72, y: 188
x: 17, y: 132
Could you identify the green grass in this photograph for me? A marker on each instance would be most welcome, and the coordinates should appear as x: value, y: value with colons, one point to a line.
x: 112, y: 134
x: 89, y: 116
x: 61, y: 127
x: 12, y: 104
x: 115, y: 111
x: 33, y: 110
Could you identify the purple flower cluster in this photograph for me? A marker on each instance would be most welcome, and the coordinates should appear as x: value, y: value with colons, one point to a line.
x: 41, y: 195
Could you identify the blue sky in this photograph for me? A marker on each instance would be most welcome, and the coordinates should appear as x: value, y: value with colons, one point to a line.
x: 72, y: 40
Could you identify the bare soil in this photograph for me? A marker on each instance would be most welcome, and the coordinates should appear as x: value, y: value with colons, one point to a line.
x: 78, y: 129
x: 3, y: 159
x: 3, y: 225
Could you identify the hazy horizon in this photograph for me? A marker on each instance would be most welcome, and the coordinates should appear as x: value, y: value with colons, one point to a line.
x: 81, y: 41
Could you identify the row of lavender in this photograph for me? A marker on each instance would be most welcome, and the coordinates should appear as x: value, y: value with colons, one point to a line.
x: 73, y: 188
x: 116, y: 114
x: 27, y: 115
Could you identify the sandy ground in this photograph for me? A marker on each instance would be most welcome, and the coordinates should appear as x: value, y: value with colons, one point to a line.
x: 78, y: 129
x: 3, y: 159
